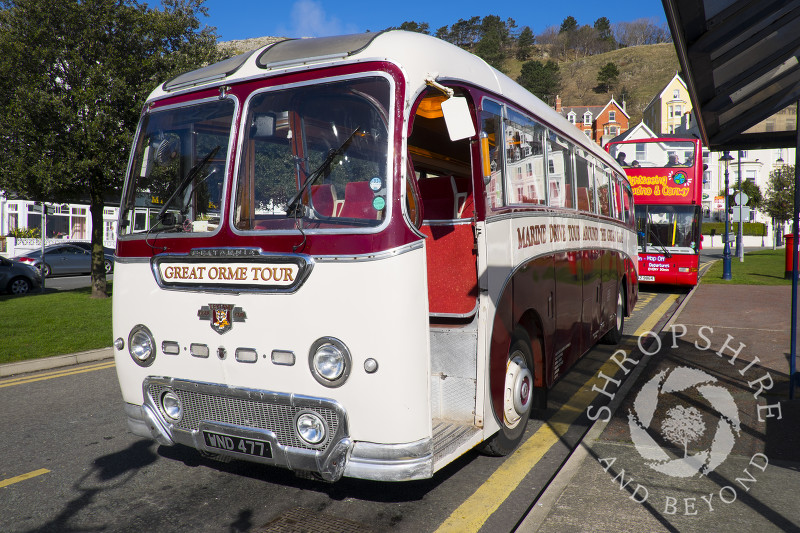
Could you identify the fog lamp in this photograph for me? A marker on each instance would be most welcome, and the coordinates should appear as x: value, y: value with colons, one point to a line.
x: 311, y: 428
x: 171, y: 405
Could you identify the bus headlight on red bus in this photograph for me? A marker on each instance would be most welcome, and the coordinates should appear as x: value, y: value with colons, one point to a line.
x: 329, y: 361
x: 142, y: 346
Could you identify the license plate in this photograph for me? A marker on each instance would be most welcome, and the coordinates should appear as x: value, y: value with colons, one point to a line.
x: 232, y: 443
x: 647, y: 278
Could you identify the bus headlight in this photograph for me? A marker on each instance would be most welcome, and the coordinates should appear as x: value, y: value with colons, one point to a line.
x: 142, y: 346
x: 329, y: 361
x: 311, y: 428
x: 171, y: 405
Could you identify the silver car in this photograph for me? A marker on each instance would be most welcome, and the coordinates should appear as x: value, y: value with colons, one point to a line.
x: 18, y: 278
x: 64, y: 259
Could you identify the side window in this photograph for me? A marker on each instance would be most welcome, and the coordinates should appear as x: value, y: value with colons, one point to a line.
x: 618, y: 197
x: 628, y: 204
x: 525, y: 160
x: 584, y: 181
x: 492, y: 142
x: 603, y: 181
x: 560, y: 175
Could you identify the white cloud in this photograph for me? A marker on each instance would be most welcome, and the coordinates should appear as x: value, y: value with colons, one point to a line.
x: 309, y: 19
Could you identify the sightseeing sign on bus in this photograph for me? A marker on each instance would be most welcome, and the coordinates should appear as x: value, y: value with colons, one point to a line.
x: 360, y: 256
x: 666, y: 174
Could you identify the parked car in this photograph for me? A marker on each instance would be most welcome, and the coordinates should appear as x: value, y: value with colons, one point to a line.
x: 17, y: 277
x: 64, y: 259
x: 88, y: 247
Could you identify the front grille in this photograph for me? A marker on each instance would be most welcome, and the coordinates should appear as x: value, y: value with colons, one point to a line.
x: 219, y: 407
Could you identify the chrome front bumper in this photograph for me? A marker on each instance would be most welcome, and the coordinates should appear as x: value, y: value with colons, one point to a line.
x: 270, y: 417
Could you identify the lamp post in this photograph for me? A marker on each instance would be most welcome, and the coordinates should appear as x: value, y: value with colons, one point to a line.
x: 739, y: 238
x: 726, y: 253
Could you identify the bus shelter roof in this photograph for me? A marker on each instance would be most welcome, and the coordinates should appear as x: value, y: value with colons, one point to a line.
x: 741, y: 63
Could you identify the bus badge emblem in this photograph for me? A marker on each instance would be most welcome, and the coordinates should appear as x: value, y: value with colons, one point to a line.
x: 221, y: 316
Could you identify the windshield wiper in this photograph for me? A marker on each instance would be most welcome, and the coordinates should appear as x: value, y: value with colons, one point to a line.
x: 193, y: 173
x: 655, y: 237
x: 296, y: 209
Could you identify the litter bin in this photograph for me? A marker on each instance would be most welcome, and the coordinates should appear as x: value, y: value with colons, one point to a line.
x: 789, y: 238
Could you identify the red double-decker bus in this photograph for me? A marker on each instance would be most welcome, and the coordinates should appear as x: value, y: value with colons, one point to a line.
x: 666, y: 174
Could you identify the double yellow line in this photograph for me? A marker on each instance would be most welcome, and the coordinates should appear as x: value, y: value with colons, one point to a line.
x: 31, y: 378
x: 473, y: 513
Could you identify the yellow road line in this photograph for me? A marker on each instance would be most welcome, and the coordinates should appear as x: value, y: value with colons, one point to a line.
x: 52, y: 375
x: 473, y: 513
x: 23, y: 477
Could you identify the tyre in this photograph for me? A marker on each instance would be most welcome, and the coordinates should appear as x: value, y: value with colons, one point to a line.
x: 614, y: 335
x: 45, y: 270
x: 517, y: 395
x: 108, y: 265
x: 19, y: 286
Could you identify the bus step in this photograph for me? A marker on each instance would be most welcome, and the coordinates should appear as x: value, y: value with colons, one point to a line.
x: 451, y: 439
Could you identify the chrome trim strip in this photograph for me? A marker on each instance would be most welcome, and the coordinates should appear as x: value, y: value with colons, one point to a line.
x: 457, y: 315
x: 377, y: 256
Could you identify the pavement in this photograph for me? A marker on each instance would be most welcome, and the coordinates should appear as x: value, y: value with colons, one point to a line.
x: 701, y: 436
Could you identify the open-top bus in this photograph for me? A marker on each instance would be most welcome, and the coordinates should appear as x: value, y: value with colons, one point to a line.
x: 666, y: 174
x: 360, y: 256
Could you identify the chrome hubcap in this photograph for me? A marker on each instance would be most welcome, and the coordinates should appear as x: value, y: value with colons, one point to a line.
x: 518, y: 391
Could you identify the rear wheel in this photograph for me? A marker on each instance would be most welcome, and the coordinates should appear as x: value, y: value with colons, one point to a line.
x: 614, y: 335
x: 108, y: 266
x: 45, y: 270
x: 517, y: 395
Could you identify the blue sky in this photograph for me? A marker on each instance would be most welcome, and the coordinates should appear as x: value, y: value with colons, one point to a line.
x: 243, y: 19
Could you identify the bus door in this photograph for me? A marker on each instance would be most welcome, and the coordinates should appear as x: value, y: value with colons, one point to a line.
x: 442, y: 169
x: 592, y: 257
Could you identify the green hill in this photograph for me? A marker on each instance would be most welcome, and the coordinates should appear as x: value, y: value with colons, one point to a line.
x: 644, y: 71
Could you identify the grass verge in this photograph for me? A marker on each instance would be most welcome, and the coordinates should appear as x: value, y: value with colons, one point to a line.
x: 763, y: 267
x: 56, y: 323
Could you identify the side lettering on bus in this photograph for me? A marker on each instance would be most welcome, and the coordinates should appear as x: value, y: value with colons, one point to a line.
x: 283, y: 274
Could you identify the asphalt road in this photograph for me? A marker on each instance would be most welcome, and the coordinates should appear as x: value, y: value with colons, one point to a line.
x: 68, y: 283
x: 70, y: 464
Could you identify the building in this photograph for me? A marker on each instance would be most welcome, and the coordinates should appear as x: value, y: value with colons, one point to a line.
x: 665, y: 112
x: 599, y: 123
x: 65, y: 222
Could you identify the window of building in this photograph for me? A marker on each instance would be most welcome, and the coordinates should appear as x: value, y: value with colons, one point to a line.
x: 612, y: 116
x: 676, y: 93
x: 587, y: 118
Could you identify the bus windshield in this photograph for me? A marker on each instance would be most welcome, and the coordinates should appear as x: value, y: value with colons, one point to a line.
x: 657, y: 154
x: 668, y: 228
x: 315, y: 157
x: 177, y: 176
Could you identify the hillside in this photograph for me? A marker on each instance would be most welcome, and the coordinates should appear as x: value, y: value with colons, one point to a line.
x: 644, y: 70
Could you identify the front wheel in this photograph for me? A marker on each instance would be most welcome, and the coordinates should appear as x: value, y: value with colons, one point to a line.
x: 19, y: 286
x: 108, y: 266
x: 517, y: 396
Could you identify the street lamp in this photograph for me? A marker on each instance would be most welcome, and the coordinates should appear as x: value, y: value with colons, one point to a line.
x: 726, y: 253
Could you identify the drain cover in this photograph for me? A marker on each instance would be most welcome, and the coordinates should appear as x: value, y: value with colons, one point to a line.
x: 301, y: 520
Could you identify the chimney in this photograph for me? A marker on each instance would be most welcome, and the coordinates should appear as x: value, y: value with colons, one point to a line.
x: 558, y: 104
x: 623, y: 106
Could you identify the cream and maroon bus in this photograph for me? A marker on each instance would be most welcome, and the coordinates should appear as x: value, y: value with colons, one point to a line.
x: 360, y: 256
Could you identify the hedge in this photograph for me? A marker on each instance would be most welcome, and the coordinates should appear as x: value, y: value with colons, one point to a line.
x: 750, y: 228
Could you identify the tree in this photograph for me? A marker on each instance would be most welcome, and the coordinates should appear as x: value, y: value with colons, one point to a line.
x: 568, y: 24
x: 779, y: 194
x: 418, y: 27
x: 607, y: 77
x: 753, y: 192
x: 542, y: 79
x: 683, y: 426
x: 74, y: 75
x: 525, y: 43
x: 605, y: 35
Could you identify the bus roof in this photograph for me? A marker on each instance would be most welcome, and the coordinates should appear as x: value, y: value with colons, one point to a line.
x: 418, y: 55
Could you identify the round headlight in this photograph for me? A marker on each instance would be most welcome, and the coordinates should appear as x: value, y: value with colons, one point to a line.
x: 171, y: 405
x: 142, y: 346
x: 329, y: 360
x: 310, y: 428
